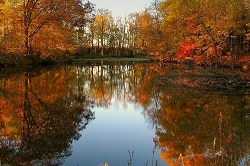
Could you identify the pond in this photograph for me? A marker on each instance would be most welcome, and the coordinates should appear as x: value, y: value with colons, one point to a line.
x: 131, y: 114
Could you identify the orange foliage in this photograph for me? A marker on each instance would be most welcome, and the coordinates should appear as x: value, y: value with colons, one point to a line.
x: 10, y: 117
x: 244, y: 59
x: 39, y: 90
x: 144, y: 26
x: 191, y: 23
x: 185, y: 49
x: 144, y: 99
x: 192, y: 160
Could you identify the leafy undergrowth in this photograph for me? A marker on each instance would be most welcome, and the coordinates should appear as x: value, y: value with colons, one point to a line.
x: 16, y: 59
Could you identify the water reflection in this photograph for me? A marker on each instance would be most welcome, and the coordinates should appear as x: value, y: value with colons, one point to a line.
x: 40, y: 115
x: 200, y: 128
x: 197, y: 127
x: 42, y: 112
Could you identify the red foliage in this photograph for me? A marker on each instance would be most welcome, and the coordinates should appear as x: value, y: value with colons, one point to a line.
x: 243, y: 60
x: 185, y: 49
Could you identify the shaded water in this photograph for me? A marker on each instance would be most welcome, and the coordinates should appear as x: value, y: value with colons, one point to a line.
x: 120, y: 114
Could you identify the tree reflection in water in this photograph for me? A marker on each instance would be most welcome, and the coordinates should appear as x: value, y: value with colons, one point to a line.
x: 41, y: 113
x: 196, y: 127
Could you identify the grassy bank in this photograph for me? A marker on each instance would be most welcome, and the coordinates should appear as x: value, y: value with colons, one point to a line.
x: 110, y: 59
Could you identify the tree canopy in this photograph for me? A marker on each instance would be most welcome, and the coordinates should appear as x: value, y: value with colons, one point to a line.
x: 38, y: 25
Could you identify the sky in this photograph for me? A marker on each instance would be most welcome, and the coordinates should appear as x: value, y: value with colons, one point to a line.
x: 122, y: 7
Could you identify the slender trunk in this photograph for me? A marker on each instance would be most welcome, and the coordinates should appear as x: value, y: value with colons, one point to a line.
x: 26, y: 40
x: 26, y: 25
x: 92, y: 40
x: 28, y: 17
x: 98, y: 42
x: 102, y: 44
x: 27, y: 116
x: 102, y: 51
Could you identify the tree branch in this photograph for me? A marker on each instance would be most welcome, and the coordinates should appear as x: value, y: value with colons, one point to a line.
x: 38, y: 28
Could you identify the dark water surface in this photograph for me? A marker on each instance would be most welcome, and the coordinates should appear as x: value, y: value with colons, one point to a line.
x: 136, y: 114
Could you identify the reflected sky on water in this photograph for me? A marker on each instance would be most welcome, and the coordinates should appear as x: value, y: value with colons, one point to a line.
x: 114, y: 132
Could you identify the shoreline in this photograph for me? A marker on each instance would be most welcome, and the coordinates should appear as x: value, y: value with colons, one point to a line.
x: 11, y: 60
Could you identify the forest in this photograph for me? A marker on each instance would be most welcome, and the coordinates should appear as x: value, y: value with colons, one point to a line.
x: 202, y: 32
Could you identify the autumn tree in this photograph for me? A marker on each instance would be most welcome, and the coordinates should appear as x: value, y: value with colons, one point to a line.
x: 120, y: 36
x: 9, y: 27
x: 203, y: 24
x: 117, y: 38
x: 82, y: 23
x: 144, y: 33
x: 59, y: 17
x: 102, y: 24
x: 157, y: 41
x: 133, y: 31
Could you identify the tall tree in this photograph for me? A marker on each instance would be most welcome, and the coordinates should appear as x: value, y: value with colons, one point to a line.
x: 31, y: 16
x: 102, y: 26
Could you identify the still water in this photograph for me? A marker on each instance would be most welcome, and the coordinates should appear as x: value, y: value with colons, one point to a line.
x: 136, y: 114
